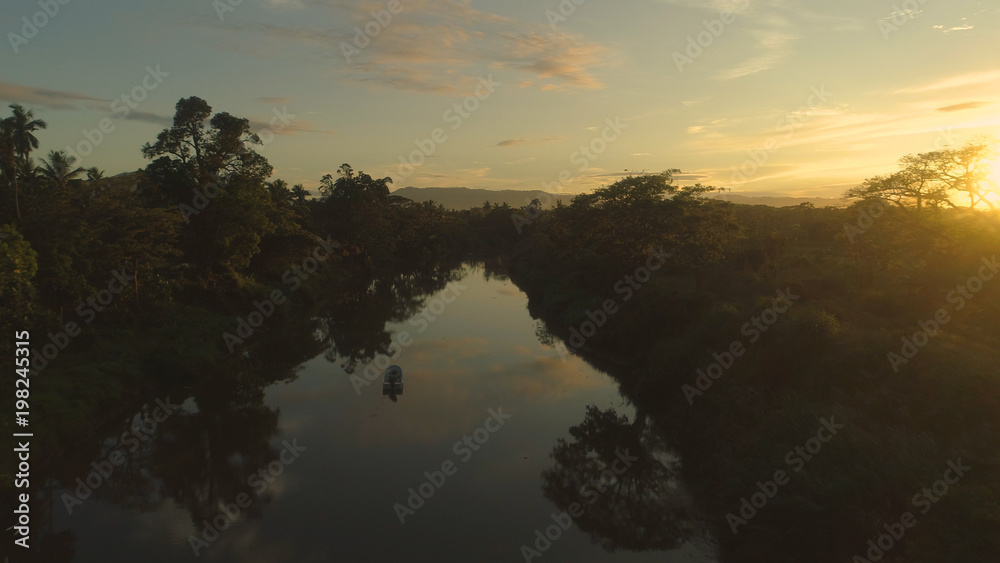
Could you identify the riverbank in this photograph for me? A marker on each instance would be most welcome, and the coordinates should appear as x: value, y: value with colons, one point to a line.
x: 742, y: 372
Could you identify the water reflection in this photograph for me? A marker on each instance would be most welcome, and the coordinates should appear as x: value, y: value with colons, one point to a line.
x: 360, y: 458
x: 622, y: 481
x: 392, y: 382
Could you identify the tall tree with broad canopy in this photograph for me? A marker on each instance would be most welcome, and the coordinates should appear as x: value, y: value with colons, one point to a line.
x: 207, y: 166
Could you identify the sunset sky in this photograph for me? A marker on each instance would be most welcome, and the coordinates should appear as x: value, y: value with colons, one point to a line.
x: 899, y: 77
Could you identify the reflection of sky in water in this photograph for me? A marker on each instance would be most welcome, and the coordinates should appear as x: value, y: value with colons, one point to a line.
x: 335, y: 502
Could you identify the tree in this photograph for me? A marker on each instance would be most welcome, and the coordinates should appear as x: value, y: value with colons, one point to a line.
x: 279, y: 191
x: 967, y: 170
x: 356, y: 208
x: 628, y: 505
x: 94, y: 174
x: 930, y: 179
x: 198, y: 156
x: 17, y: 131
x: 8, y: 162
x: 221, y: 151
x: 351, y: 187
x: 18, y: 266
x: 299, y: 194
x: 59, y: 169
x: 623, y: 223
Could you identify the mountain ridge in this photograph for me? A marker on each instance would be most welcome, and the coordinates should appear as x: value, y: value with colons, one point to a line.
x: 469, y: 198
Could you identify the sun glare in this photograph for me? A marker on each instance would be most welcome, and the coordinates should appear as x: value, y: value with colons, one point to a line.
x: 993, y: 195
x: 995, y: 172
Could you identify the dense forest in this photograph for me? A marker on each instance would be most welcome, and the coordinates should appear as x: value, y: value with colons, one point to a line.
x: 739, y: 332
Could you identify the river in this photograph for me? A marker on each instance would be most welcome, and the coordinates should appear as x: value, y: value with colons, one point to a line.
x: 474, y: 461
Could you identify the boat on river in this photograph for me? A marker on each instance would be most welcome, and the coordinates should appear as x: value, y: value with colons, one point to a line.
x: 392, y: 381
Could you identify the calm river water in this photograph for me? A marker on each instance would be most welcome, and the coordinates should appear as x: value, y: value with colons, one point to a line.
x: 336, y: 469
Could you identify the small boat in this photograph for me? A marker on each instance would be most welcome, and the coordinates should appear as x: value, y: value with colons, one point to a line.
x: 392, y: 381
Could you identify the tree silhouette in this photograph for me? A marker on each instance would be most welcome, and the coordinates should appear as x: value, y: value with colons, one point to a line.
x: 59, y: 170
x: 17, y: 132
x: 640, y: 508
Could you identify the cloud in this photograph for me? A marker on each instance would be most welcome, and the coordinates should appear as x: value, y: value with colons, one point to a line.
x: 960, y: 81
x: 47, y: 98
x: 439, y: 46
x: 296, y: 126
x: 965, y: 106
x: 519, y: 142
x: 774, y: 46
x: 943, y: 29
x: 148, y: 117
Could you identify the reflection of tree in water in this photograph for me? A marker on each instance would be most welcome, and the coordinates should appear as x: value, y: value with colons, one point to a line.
x: 352, y: 324
x: 641, y: 508
x: 197, y: 458
x: 205, y: 458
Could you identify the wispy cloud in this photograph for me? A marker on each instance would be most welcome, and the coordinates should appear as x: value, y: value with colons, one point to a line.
x: 774, y: 46
x: 965, y: 106
x: 961, y: 81
x: 295, y: 127
x: 435, y: 46
x: 148, y: 117
x: 521, y: 142
x: 48, y: 98
x: 964, y: 27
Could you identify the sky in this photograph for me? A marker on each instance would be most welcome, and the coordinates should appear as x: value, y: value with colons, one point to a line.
x: 764, y: 97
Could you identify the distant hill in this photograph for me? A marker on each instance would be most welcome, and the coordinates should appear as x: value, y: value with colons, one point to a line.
x: 468, y: 198
x: 779, y: 201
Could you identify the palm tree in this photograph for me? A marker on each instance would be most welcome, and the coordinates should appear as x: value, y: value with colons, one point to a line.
x: 23, y: 123
x: 279, y: 191
x: 299, y: 194
x: 20, y: 126
x: 94, y: 174
x: 8, y: 160
x: 59, y: 169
